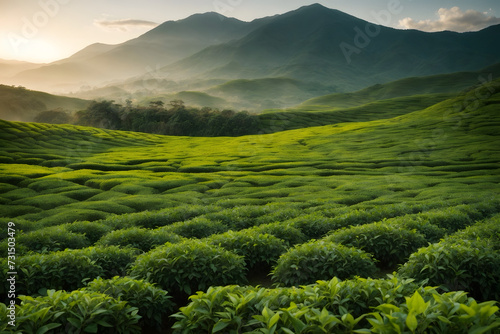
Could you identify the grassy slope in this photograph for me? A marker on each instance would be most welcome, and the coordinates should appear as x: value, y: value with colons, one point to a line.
x: 447, y: 153
x: 20, y: 104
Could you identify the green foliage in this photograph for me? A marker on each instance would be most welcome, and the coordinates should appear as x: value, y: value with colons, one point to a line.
x: 291, y: 235
x: 314, y: 225
x: 199, y: 227
x: 487, y: 232
x: 321, y: 260
x: 153, y: 303
x: 47, y: 240
x: 112, y: 259
x: 431, y: 232
x: 259, y: 250
x: 76, y: 312
x: 140, y: 238
x: 189, y: 266
x: 65, y: 270
x: 389, y: 244
x: 93, y: 231
x: 353, y: 306
x: 470, y: 266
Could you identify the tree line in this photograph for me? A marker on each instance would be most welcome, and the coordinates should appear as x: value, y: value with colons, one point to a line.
x: 173, y: 119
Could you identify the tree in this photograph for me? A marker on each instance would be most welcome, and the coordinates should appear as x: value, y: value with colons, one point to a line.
x: 103, y: 114
x: 57, y: 116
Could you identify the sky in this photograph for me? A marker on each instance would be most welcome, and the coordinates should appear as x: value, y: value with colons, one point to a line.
x: 42, y: 31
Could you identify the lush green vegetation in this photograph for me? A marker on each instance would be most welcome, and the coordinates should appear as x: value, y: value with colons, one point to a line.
x: 92, y: 204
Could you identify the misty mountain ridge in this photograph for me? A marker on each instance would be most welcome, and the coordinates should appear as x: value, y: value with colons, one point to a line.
x: 312, y: 46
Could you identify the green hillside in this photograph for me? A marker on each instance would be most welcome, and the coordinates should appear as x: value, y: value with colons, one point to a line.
x: 20, y: 104
x: 354, y: 201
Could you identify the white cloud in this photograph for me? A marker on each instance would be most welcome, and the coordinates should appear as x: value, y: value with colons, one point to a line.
x: 453, y: 19
x: 124, y: 24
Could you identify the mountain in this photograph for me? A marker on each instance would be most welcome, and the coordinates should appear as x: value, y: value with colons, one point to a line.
x: 317, y: 43
x: 9, y: 68
x: 21, y: 104
x: 167, y: 43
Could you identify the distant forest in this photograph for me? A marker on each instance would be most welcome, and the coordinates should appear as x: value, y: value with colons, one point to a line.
x: 173, y: 119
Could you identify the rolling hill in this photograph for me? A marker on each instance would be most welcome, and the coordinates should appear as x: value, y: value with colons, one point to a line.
x: 21, y: 104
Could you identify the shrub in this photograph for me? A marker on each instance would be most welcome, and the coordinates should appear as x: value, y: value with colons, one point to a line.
x: 189, y: 266
x: 47, y: 240
x: 113, y: 260
x: 259, y: 250
x: 153, y: 303
x: 93, y: 231
x: 75, y: 312
x: 291, y: 235
x: 390, y: 244
x: 233, y: 307
x: 140, y: 238
x: 451, y: 218
x: 487, y: 231
x: 199, y: 227
x: 314, y: 225
x: 65, y: 270
x: 469, y: 266
x: 321, y: 260
x: 156, y: 219
x: 431, y: 232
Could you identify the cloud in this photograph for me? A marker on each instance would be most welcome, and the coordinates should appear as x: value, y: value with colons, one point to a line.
x: 124, y: 24
x: 453, y: 19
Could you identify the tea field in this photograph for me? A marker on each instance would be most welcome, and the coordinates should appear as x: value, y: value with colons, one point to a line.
x: 378, y: 226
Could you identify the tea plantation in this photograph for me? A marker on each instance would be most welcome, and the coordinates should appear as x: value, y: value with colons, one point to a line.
x: 382, y: 226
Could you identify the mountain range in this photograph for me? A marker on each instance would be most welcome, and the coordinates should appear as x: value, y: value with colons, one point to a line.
x: 272, y: 62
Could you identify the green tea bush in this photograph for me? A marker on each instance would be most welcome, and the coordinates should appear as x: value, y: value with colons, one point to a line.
x: 93, y: 231
x: 155, y: 219
x: 431, y: 232
x: 314, y: 225
x: 73, y: 313
x: 259, y: 250
x: 189, y: 266
x: 47, y: 240
x: 199, y: 227
x: 389, y: 244
x: 139, y: 238
x: 451, y: 218
x: 153, y: 303
x: 321, y: 260
x: 64, y: 270
x: 232, y: 308
x: 114, y: 260
x: 240, y: 217
x: 45, y: 202
x: 487, y: 231
x: 468, y: 266
x: 291, y: 235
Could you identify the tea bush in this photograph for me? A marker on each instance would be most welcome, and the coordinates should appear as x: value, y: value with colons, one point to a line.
x: 314, y: 225
x: 93, y: 231
x: 64, y: 270
x: 487, y: 231
x: 390, y: 244
x: 48, y: 239
x: 321, y: 260
x: 73, y: 313
x: 259, y: 250
x: 291, y: 235
x: 468, y: 266
x: 113, y: 260
x: 450, y: 218
x: 199, y: 227
x: 153, y: 303
x: 353, y: 306
x: 431, y: 232
x: 189, y: 266
x: 139, y: 238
